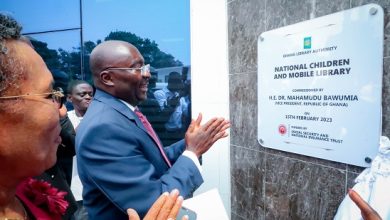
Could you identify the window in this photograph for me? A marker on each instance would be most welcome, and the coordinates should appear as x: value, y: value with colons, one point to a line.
x: 159, y: 29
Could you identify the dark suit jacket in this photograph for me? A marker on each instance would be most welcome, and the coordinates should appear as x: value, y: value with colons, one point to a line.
x: 56, y: 178
x: 121, y: 166
x: 66, y: 150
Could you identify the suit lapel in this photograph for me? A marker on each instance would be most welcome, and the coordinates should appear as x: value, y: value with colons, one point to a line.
x: 120, y: 107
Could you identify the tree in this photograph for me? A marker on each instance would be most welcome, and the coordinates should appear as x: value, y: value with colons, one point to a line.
x: 70, y: 61
x: 149, y: 49
x: 50, y: 56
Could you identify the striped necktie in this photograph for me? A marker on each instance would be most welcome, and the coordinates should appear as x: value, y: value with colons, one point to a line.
x: 151, y: 132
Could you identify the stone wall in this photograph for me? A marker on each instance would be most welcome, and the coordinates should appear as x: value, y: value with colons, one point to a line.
x: 271, y: 184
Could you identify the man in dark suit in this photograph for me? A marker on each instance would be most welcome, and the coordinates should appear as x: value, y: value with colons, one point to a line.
x: 120, y: 159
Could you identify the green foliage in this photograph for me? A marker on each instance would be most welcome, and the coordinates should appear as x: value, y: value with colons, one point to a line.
x: 50, y: 56
x: 88, y: 47
x: 149, y: 49
x: 70, y: 61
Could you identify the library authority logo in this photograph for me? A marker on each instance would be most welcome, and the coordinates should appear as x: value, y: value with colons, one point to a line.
x: 282, y: 129
x: 307, y: 43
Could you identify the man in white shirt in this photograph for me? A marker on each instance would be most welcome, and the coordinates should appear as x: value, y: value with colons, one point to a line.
x: 174, y: 107
x: 80, y: 94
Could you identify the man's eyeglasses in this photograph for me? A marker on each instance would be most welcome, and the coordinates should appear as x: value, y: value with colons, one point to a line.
x: 56, y: 95
x: 143, y: 69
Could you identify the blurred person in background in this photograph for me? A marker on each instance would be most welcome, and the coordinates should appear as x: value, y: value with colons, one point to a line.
x: 80, y: 94
x: 173, y: 107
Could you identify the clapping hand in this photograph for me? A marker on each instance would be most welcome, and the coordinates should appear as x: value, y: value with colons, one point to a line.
x: 200, y: 138
x: 368, y: 213
x: 167, y: 206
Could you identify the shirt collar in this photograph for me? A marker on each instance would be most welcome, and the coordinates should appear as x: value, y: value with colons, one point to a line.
x: 128, y: 105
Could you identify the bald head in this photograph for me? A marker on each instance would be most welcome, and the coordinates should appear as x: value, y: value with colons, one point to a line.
x: 116, y: 68
x: 111, y: 53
